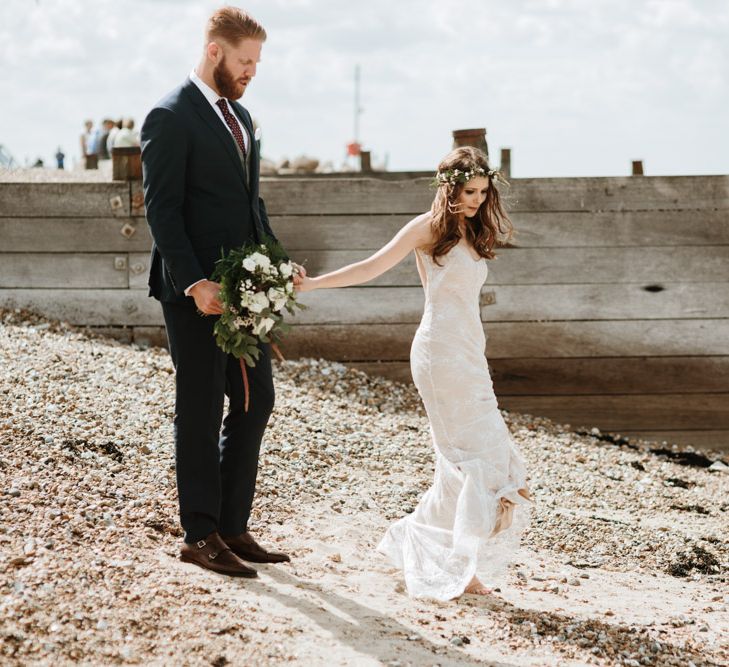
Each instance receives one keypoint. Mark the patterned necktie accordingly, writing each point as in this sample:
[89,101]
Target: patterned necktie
[233,124]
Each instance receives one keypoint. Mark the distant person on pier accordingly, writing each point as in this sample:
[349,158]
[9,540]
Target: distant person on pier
[60,156]
[127,136]
[106,126]
[88,146]
[112,135]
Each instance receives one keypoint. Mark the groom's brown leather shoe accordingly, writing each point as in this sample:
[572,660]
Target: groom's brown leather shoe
[245,547]
[214,554]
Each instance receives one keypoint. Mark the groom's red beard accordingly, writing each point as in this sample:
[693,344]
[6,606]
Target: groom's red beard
[228,86]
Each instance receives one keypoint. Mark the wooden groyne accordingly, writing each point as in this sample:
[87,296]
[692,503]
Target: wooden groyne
[611,309]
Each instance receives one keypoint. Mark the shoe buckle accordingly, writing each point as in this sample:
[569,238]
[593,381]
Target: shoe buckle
[213,555]
[201,544]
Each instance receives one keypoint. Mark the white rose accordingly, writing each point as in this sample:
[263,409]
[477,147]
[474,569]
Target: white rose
[265,324]
[278,298]
[258,302]
[249,264]
[262,261]
[286,269]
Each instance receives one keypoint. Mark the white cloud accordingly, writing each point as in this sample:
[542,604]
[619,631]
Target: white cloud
[572,87]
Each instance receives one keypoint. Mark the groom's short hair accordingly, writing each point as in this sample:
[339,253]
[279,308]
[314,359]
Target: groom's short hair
[232,24]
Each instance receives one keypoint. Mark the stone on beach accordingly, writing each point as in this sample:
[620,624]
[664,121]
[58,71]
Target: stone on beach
[89,533]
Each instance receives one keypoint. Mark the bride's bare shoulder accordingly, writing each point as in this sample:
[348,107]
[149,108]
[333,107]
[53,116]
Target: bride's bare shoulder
[421,228]
[422,220]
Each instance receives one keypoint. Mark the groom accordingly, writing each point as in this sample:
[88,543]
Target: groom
[200,165]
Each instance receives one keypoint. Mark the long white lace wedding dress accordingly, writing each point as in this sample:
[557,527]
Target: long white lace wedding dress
[465,524]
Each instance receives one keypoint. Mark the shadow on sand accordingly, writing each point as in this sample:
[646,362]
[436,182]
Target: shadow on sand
[389,644]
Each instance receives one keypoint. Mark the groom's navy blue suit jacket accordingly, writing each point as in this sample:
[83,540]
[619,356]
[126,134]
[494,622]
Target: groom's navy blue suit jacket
[196,197]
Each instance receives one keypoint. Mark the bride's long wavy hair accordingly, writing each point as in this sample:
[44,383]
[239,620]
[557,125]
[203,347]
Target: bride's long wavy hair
[490,225]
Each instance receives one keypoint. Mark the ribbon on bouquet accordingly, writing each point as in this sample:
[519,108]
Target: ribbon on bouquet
[244,372]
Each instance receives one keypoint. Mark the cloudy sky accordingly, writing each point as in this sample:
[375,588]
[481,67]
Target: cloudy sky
[573,87]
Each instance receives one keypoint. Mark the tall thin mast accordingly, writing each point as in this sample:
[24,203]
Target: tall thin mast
[357,108]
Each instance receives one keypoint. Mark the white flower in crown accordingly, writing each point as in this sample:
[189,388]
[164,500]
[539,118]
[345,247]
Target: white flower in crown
[453,176]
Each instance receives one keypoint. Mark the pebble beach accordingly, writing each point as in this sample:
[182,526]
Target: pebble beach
[626,560]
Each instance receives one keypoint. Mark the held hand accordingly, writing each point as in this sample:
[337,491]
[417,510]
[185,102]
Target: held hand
[305,284]
[299,273]
[206,294]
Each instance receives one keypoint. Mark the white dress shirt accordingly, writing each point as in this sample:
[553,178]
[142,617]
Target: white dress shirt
[212,97]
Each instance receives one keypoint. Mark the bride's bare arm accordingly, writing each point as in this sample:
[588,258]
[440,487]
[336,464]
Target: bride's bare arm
[414,234]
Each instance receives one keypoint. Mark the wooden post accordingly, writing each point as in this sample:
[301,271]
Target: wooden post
[473,137]
[505,167]
[637,167]
[126,163]
[365,164]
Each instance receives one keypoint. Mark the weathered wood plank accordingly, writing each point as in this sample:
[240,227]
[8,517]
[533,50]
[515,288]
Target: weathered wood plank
[92,307]
[150,336]
[75,200]
[336,232]
[610,375]
[363,232]
[620,228]
[362,305]
[623,413]
[335,196]
[74,235]
[651,338]
[621,375]
[398,371]
[121,334]
[369,195]
[533,229]
[716,439]
[525,266]
[368,342]
[606,302]
[365,195]
[138,270]
[71,270]
[520,303]
[622,193]
[649,265]
[506,340]
[546,340]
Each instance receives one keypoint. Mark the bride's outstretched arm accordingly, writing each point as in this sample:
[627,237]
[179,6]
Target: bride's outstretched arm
[414,234]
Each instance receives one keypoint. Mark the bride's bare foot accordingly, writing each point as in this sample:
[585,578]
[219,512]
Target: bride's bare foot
[475,587]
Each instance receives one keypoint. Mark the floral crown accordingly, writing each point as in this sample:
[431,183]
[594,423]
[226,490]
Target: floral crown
[453,176]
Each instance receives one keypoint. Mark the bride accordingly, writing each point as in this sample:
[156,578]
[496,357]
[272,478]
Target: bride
[466,527]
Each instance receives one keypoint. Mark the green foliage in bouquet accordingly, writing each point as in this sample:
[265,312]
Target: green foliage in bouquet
[256,287]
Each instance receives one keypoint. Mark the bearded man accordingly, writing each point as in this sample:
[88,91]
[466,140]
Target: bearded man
[201,184]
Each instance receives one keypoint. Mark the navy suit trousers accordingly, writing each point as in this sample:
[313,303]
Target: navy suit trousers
[216,469]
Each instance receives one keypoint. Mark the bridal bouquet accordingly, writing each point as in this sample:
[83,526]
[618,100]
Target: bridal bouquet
[257,286]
